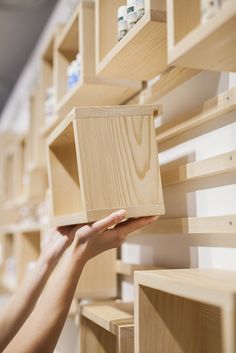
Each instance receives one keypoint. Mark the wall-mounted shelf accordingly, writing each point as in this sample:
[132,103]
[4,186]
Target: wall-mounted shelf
[185,311]
[107,328]
[208,111]
[166,82]
[220,164]
[142,53]
[78,36]
[127,269]
[194,225]
[208,46]
[99,279]
[89,155]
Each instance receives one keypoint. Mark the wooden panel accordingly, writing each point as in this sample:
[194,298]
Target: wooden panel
[220,164]
[128,269]
[208,111]
[218,34]
[125,339]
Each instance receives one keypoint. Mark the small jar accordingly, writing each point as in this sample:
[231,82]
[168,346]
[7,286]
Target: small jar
[208,9]
[140,8]
[131,14]
[122,21]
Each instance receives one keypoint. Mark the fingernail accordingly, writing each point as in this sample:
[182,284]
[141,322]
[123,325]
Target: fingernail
[121,213]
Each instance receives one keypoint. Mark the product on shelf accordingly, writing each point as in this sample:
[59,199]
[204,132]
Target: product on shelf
[128,16]
[50,103]
[131,14]
[122,22]
[208,9]
[140,8]
[73,72]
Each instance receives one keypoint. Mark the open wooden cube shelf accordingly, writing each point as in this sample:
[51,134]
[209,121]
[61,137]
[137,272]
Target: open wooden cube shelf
[142,53]
[208,46]
[185,311]
[107,328]
[103,159]
[78,36]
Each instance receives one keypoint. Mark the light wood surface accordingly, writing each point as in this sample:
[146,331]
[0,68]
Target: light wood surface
[142,53]
[107,327]
[123,160]
[128,269]
[209,46]
[208,111]
[169,80]
[185,311]
[219,164]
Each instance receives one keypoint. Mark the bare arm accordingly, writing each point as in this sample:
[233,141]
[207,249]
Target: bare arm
[19,307]
[42,330]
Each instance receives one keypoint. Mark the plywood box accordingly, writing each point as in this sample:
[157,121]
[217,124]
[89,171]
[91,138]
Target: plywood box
[101,159]
[185,311]
[107,328]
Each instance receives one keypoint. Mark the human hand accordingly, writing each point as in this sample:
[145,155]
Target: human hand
[107,233]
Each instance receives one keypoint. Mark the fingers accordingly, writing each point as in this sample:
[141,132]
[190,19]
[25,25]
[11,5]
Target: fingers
[111,220]
[131,225]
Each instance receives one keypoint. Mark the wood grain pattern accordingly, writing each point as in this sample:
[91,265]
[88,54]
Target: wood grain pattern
[127,269]
[184,311]
[218,34]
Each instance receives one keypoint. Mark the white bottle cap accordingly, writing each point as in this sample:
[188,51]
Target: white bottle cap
[122,12]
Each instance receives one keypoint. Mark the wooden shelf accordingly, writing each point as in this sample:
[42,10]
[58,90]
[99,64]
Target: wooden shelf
[79,36]
[185,311]
[98,279]
[220,164]
[208,111]
[142,53]
[166,82]
[106,328]
[194,225]
[127,269]
[209,46]
[98,143]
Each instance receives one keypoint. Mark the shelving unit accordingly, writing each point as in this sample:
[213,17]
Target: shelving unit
[106,328]
[211,110]
[97,144]
[166,82]
[79,36]
[98,279]
[220,164]
[142,53]
[185,311]
[208,46]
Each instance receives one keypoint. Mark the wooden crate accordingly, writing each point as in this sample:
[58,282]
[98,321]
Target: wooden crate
[107,328]
[79,36]
[103,159]
[185,311]
[208,46]
[142,53]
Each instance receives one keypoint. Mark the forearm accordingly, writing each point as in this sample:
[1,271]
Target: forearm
[47,320]
[20,306]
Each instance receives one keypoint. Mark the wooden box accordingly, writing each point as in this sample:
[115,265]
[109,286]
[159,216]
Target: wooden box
[208,46]
[142,53]
[102,159]
[78,36]
[107,328]
[185,311]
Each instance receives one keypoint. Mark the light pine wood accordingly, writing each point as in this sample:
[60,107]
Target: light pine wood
[142,53]
[106,159]
[220,164]
[107,327]
[185,311]
[169,80]
[190,41]
[208,111]
[127,269]
[79,36]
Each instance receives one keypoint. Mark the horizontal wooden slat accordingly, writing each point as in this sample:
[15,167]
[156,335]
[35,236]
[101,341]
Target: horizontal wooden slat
[208,111]
[127,269]
[224,163]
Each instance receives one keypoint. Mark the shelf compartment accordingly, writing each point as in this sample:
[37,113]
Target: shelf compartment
[106,328]
[208,46]
[88,157]
[166,82]
[128,269]
[78,36]
[210,110]
[142,53]
[220,164]
[185,311]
